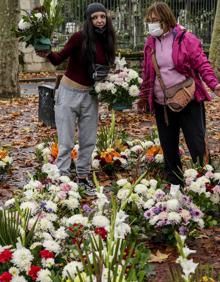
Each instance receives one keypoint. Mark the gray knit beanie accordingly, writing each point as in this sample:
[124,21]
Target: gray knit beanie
[93,8]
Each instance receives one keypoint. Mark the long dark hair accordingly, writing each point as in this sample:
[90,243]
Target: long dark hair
[88,44]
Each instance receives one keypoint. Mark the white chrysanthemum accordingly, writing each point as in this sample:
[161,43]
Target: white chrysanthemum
[33,185]
[40,146]
[14,271]
[132,74]
[190,173]
[95,164]
[39,16]
[122,182]
[216,175]
[100,221]
[64,179]
[153,183]
[46,152]
[97,88]
[140,189]
[208,167]
[195,187]
[173,204]
[54,188]
[32,206]
[22,258]
[71,203]
[71,269]
[9,203]
[18,279]
[77,219]
[137,149]
[140,80]
[73,185]
[113,90]
[148,144]
[174,216]
[126,153]
[202,180]
[22,25]
[60,233]
[123,194]
[50,206]
[145,182]
[51,170]
[159,158]
[47,263]
[44,276]
[51,217]
[45,225]
[149,204]
[215,198]
[134,91]
[52,246]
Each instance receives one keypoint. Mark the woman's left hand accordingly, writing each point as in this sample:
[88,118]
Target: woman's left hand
[217,90]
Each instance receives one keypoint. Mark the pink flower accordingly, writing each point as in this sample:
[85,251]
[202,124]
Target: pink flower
[209,174]
[216,189]
[65,187]
[62,195]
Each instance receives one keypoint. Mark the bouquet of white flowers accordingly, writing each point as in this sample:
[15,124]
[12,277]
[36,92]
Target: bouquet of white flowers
[36,27]
[121,86]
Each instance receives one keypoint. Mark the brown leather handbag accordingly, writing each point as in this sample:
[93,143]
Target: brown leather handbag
[179,95]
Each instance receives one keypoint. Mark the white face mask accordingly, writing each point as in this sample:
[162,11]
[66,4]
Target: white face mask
[155,29]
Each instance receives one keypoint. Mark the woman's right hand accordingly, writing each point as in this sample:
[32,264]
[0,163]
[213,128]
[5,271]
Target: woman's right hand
[43,54]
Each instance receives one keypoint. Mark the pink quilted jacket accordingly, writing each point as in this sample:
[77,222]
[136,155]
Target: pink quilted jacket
[189,59]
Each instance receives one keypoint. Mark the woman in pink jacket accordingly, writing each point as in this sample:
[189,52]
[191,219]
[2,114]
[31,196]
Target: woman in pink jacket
[179,56]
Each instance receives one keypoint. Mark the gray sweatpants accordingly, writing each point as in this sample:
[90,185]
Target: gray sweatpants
[73,106]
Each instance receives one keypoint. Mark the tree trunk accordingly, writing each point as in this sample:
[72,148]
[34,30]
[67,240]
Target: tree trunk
[214,52]
[9,12]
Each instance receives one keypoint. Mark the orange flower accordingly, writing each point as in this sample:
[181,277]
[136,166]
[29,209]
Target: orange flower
[3,154]
[153,151]
[115,154]
[54,150]
[74,154]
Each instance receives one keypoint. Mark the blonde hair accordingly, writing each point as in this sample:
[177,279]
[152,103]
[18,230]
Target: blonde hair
[163,11]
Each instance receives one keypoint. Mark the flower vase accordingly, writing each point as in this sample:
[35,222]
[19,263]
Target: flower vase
[121,106]
[42,44]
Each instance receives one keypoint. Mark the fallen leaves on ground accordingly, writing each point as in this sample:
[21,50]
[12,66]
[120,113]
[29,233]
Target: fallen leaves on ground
[158,257]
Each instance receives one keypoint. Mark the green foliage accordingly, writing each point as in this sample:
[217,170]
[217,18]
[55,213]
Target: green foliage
[40,22]
[109,136]
[11,224]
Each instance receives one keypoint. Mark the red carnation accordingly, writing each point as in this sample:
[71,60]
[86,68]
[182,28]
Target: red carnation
[33,272]
[102,232]
[5,256]
[5,277]
[46,254]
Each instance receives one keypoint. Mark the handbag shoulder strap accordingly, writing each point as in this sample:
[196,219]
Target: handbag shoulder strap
[162,85]
[158,73]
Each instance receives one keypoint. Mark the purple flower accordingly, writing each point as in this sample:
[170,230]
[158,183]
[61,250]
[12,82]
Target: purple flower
[183,230]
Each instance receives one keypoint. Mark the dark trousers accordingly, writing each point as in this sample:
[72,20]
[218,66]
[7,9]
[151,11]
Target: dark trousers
[192,122]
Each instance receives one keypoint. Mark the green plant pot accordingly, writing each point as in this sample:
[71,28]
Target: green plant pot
[121,107]
[42,44]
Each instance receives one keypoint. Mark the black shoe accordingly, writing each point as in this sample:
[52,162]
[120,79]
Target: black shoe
[88,186]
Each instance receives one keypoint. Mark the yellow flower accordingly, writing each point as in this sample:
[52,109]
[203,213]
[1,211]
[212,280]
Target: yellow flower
[207,279]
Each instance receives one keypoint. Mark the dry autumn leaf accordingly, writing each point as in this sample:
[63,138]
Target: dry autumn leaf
[159,257]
